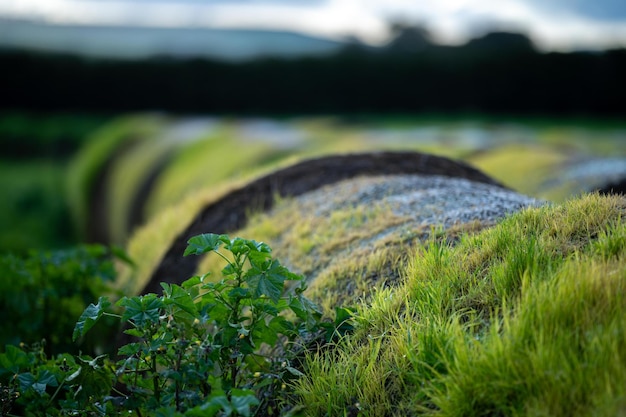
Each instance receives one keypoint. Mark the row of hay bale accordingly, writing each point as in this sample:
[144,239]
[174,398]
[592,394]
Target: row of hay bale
[176,177]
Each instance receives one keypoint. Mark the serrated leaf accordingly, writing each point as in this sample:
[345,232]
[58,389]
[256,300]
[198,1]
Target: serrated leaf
[268,281]
[142,309]
[239,292]
[129,349]
[90,317]
[257,259]
[239,246]
[229,269]
[304,308]
[266,307]
[180,298]
[191,282]
[204,243]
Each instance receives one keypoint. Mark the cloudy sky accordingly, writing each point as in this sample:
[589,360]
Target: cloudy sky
[552,24]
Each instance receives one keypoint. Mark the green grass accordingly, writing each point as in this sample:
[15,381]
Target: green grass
[523,319]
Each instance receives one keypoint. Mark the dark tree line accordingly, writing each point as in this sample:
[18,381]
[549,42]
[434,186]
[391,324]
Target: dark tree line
[498,73]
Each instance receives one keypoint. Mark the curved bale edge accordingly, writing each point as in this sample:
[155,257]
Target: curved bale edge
[88,175]
[231,211]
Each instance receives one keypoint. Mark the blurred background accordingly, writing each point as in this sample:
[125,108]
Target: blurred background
[112,111]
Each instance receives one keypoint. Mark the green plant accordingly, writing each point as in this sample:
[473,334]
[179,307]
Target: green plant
[44,291]
[227,347]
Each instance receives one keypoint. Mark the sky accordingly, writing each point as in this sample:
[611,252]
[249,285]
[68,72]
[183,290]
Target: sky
[551,24]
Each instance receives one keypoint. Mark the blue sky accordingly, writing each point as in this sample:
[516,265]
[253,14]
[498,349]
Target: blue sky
[552,24]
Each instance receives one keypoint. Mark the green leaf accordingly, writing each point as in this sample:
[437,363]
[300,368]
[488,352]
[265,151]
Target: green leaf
[180,298]
[304,308]
[208,409]
[344,323]
[90,317]
[343,316]
[191,282]
[239,292]
[141,310]
[267,281]
[93,378]
[261,254]
[26,380]
[242,400]
[39,384]
[204,243]
[47,378]
[239,246]
[129,349]
[266,307]
[229,269]
[13,360]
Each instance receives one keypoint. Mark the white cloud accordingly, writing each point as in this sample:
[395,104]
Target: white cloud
[451,21]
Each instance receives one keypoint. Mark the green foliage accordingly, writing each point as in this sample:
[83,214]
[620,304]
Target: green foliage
[50,135]
[44,292]
[199,349]
[33,214]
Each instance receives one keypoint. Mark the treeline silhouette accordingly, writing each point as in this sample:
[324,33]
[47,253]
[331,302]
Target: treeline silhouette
[499,73]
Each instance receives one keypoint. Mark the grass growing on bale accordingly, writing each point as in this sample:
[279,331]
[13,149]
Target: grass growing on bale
[526,318]
[91,160]
[208,161]
[330,249]
[129,172]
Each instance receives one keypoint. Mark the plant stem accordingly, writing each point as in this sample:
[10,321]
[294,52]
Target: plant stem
[56,392]
[155,381]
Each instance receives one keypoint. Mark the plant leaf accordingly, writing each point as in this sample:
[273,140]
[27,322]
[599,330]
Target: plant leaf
[191,282]
[142,309]
[242,400]
[90,317]
[267,281]
[180,298]
[204,243]
[13,360]
[304,308]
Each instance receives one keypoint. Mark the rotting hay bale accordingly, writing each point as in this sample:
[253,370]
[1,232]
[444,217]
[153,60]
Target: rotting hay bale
[356,235]
[230,212]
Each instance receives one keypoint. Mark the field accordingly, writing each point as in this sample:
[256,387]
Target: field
[524,317]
